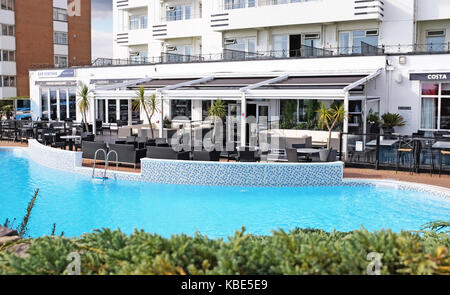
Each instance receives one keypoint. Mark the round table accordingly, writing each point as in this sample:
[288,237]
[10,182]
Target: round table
[308,152]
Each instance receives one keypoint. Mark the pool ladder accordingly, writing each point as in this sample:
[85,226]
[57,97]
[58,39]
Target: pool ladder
[106,162]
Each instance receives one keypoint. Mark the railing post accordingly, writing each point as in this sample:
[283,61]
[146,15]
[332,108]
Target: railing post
[340,146]
[377,155]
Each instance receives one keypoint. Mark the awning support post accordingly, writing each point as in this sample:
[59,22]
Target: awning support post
[161,116]
[243,120]
[346,117]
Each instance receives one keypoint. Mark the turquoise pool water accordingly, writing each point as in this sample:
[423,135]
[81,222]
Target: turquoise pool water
[78,205]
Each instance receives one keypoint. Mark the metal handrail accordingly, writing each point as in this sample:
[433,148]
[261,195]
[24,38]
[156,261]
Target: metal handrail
[95,161]
[107,161]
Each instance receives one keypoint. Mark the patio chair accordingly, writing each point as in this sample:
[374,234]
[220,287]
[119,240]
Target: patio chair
[90,147]
[57,142]
[405,147]
[167,153]
[424,152]
[444,154]
[247,156]
[206,156]
[291,155]
[127,154]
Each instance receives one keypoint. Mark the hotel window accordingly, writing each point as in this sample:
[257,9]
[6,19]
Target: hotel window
[359,42]
[235,4]
[138,22]
[206,105]
[178,12]
[181,109]
[62,104]
[60,14]
[8,30]
[112,111]
[240,48]
[61,61]
[60,38]
[436,41]
[7,4]
[8,55]
[72,105]
[53,105]
[179,53]
[281,45]
[435,113]
[44,105]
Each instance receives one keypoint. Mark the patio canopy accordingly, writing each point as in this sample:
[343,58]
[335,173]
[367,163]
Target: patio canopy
[232,87]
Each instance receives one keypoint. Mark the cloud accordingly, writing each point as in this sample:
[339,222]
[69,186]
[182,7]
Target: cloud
[101,9]
[102,44]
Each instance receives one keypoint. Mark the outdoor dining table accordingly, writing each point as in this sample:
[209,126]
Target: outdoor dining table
[441,145]
[71,139]
[307,152]
[384,142]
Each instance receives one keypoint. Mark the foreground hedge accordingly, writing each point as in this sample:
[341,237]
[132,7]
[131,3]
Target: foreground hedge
[297,252]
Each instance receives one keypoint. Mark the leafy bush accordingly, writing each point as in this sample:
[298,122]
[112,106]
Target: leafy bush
[296,252]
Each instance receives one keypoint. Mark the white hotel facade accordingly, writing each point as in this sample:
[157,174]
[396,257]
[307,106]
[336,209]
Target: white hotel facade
[267,58]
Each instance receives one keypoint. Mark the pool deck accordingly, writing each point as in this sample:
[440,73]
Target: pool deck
[425,178]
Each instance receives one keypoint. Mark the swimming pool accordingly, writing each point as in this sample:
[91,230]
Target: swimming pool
[78,205]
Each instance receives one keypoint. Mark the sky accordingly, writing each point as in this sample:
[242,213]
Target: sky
[102,35]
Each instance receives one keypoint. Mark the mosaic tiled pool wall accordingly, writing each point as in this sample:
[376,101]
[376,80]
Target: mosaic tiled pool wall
[54,158]
[242,174]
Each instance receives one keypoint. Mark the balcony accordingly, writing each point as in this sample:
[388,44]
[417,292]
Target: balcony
[244,14]
[173,27]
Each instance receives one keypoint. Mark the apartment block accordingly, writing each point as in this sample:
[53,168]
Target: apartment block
[41,34]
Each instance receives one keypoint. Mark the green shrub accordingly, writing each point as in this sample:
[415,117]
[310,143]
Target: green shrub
[296,252]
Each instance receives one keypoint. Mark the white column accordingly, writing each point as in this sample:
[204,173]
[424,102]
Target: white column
[94,117]
[117,109]
[161,116]
[130,114]
[106,111]
[346,109]
[243,120]
[58,107]
[48,105]
[67,104]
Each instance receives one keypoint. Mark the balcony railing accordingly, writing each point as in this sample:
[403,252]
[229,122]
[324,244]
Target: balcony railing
[303,52]
[180,17]
[238,4]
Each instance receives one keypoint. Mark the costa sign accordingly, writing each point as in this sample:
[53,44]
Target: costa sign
[430,77]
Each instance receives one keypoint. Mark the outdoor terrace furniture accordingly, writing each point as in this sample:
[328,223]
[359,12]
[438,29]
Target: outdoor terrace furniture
[87,136]
[206,156]
[124,132]
[291,155]
[444,154]
[167,153]
[407,147]
[305,140]
[127,154]
[89,148]
[58,142]
[248,156]
[308,153]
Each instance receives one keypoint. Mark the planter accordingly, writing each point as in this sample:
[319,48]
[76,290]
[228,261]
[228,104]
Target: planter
[328,155]
[374,128]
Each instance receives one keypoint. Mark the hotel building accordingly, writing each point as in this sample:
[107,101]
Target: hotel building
[268,59]
[41,34]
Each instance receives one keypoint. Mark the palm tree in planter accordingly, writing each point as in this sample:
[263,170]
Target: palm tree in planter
[389,121]
[84,104]
[330,118]
[217,111]
[147,103]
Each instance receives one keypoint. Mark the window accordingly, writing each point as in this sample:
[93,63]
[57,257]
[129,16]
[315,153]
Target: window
[61,61]
[44,104]
[53,105]
[235,4]
[112,111]
[62,104]
[60,38]
[60,14]
[72,105]
[178,12]
[240,48]
[179,53]
[435,112]
[8,30]
[206,105]
[7,4]
[359,42]
[8,55]
[8,81]
[138,22]
[436,41]
[181,109]
[280,45]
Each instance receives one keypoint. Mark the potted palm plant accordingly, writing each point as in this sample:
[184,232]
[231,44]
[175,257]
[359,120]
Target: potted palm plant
[217,111]
[373,121]
[84,104]
[329,118]
[389,121]
[147,103]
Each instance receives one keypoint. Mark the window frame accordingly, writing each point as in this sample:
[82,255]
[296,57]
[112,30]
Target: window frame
[439,98]
[57,35]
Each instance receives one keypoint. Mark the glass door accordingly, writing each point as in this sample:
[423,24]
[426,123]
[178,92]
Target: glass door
[234,125]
